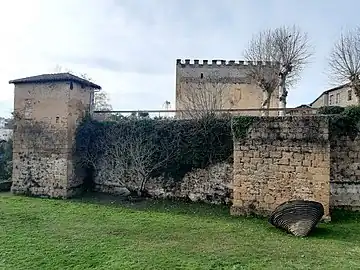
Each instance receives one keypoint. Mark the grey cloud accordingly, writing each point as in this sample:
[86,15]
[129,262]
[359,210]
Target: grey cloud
[144,65]
[134,39]
[139,100]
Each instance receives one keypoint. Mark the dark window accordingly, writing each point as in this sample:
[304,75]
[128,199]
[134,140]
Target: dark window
[201,75]
[349,94]
[71,86]
[331,100]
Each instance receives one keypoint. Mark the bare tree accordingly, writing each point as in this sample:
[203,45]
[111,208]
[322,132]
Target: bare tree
[131,158]
[344,60]
[206,95]
[262,70]
[102,101]
[289,47]
[114,162]
[101,98]
[143,159]
[293,53]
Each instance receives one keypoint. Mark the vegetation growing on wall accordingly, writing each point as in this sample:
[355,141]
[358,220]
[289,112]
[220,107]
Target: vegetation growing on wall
[271,129]
[347,123]
[39,135]
[241,125]
[5,160]
[330,110]
[139,149]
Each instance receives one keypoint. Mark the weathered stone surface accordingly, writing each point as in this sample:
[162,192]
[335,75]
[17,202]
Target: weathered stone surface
[46,116]
[196,82]
[295,164]
[345,195]
[212,185]
[41,176]
[345,172]
[281,158]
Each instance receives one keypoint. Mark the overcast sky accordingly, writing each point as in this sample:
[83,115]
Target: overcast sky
[129,47]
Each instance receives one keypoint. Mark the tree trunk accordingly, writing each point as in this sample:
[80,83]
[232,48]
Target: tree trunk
[282,97]
[142,186]
[356,90]
[266,103]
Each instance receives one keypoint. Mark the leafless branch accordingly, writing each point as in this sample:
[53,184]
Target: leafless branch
[116,158]
[204,96]
[293,51]
[265,73]
[128,157]
[344,60]
[285,46]
[102,101]
[143,158]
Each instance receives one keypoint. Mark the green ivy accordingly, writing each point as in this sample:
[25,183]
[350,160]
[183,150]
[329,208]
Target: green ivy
[330,110]
[347,123]
[241,125]
[352,112]
[5,160]
[199,143]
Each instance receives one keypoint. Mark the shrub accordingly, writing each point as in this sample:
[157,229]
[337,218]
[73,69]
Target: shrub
[347,123]
[143,148]
[5,160]
[330,110]
[352,112]
[241,125]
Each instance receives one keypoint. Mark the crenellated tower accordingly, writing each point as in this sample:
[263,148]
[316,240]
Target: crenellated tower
[205,85]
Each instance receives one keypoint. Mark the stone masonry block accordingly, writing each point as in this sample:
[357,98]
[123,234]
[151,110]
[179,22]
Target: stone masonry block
[282,175]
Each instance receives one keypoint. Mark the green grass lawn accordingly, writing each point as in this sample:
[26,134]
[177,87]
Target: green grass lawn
[102,234]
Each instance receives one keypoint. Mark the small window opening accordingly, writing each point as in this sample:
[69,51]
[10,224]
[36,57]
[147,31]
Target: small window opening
[349,95]
[71,86]
[202,75]
[57,119]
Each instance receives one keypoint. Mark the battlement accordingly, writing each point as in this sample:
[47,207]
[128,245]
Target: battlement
[220,63]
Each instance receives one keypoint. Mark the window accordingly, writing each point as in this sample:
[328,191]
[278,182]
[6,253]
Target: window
[337,98]
[238,93]
[201,75]
[349,95]
[331,100]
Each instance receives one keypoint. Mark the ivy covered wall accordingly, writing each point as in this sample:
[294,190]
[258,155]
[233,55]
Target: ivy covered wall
[160,157]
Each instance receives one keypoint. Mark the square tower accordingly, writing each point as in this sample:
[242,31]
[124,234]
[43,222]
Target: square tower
[219,85]
[47,110]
